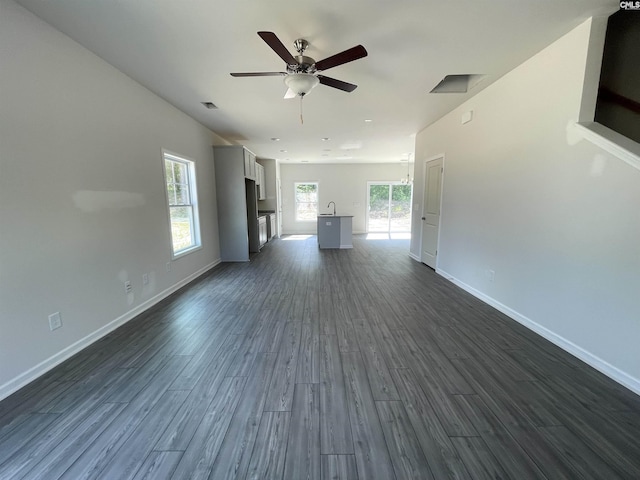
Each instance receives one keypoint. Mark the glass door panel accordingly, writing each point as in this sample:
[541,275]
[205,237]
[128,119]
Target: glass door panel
[379,208]
[389,208]
[400,219]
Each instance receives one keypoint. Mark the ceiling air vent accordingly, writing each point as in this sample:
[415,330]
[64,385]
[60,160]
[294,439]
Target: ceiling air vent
[458,83]
[210,105]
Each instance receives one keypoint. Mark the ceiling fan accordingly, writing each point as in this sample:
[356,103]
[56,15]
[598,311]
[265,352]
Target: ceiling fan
[302,72]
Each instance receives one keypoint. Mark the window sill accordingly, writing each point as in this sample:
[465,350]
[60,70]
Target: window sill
[618,145]
[182,253]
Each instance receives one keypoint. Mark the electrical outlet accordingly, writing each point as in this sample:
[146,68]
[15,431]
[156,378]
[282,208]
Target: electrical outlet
[55,321]
[127,287]
[145,278]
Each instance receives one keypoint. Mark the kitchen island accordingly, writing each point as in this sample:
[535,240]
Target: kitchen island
[335,231]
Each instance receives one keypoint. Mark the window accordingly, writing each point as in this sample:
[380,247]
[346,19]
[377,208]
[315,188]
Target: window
[306,202]
[618,103]
[180,176]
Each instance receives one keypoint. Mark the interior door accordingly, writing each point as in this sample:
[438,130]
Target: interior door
[431,211]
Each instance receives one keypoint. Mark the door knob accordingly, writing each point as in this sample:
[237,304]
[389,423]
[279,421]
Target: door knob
[423,218]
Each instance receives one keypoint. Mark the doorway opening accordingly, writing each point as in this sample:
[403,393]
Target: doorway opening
[389,207]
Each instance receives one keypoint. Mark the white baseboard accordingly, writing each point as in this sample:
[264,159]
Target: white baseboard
[43,367]
[414,256]
[599,364]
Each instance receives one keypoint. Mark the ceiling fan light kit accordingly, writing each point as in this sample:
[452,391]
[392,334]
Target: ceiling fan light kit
[301,83]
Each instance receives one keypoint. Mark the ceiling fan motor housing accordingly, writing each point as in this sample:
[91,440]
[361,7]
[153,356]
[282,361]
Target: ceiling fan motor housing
[305,65]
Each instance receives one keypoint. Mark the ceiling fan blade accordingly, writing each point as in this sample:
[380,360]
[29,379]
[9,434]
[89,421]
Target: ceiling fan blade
[259,74]
[277,46]
[290,94]
[339,84]
[343,57]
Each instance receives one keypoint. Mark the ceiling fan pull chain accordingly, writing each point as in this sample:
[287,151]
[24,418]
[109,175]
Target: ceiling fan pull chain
[301,118]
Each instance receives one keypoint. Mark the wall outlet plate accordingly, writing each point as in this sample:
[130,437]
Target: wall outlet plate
[55,321]
[127,287]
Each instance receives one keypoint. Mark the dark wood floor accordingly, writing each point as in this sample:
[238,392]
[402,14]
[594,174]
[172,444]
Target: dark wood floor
[308,364]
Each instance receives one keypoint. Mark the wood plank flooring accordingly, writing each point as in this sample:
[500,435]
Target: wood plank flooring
[308,364]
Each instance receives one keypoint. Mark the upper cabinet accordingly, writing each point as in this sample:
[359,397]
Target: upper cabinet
[249,165]
[261,182]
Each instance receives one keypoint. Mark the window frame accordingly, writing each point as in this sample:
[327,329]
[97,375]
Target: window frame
[295,200]
[192,204]
[609,140]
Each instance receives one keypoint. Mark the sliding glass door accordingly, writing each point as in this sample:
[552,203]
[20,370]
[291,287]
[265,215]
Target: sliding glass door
[389,207]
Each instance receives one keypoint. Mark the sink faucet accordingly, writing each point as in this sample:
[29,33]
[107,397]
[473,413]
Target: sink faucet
[334,207]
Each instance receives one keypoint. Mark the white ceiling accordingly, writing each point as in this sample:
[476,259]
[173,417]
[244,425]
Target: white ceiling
[184,50]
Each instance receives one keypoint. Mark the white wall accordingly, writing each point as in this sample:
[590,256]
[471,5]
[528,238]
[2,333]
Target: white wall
[344,184]
[82,197]
[554,216]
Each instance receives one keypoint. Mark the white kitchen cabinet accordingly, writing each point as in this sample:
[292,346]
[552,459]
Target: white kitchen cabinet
[262,230]
[272,226]
[249,164]
[260,182]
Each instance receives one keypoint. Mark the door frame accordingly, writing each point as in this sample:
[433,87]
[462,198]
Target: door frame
[424,194]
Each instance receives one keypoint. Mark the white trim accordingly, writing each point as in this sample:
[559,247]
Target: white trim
[415,257]
[614,143]
[599,364]
[43,367]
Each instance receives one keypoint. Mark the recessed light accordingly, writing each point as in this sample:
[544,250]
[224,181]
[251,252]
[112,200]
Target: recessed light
[275,139]
[324,139]
[368,120]
[283,151]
